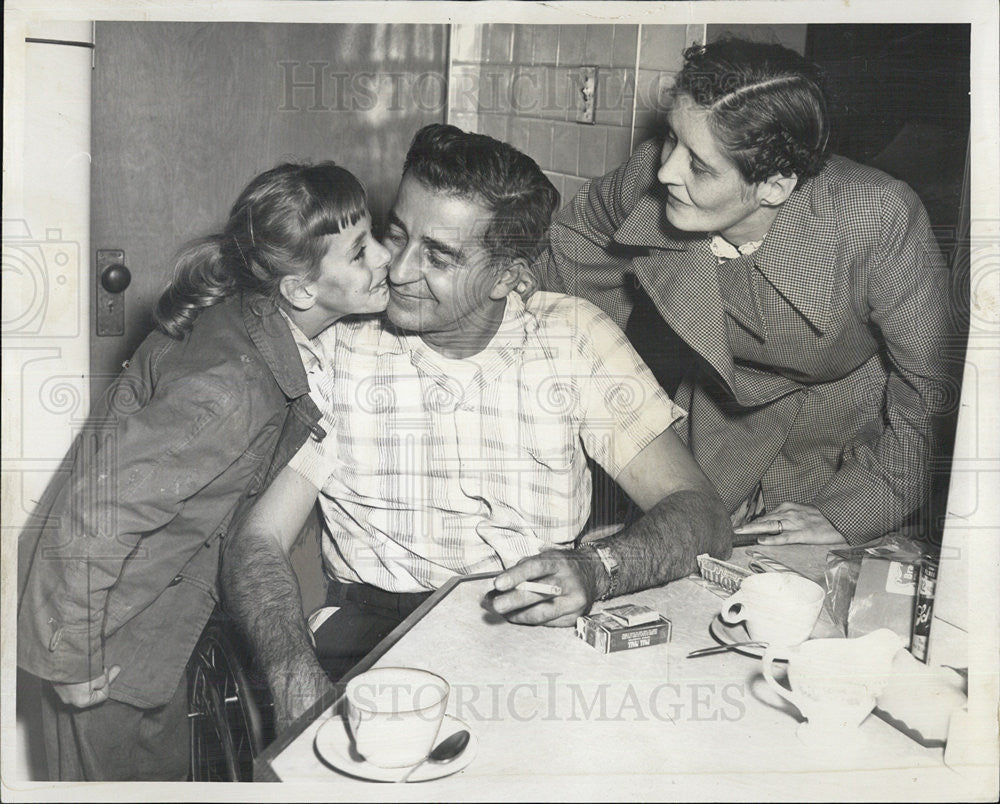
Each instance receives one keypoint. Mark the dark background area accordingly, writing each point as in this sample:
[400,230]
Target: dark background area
[900,102]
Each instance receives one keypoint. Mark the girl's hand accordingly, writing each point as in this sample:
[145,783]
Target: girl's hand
[84,694]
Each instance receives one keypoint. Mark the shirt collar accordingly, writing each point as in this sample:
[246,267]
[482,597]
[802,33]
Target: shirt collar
[311,352]
[502,351]
[273,339]
[725,250]
[511,332]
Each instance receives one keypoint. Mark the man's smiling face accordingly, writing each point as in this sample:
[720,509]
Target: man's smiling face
[442,281]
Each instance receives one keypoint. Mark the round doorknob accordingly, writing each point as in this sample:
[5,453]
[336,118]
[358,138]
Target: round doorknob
[116,278]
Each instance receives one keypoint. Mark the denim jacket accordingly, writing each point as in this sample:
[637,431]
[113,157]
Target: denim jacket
[119,564]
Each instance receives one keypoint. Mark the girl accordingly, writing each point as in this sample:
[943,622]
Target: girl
[118,572]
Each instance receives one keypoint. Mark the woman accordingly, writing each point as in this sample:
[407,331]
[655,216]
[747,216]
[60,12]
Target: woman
[119,576]
[808,288]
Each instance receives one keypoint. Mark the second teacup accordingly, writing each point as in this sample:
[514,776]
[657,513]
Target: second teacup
[834,682]
[779,608]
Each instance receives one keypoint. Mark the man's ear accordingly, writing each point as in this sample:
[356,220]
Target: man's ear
[774,190]
[508,277]
[297,292]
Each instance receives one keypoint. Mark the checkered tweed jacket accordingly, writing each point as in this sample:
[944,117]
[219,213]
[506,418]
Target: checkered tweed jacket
[818,369]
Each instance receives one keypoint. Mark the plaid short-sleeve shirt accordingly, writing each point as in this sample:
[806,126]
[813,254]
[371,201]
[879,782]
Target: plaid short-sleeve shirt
[435,466]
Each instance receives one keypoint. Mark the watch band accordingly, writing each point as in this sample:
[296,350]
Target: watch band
[611,566]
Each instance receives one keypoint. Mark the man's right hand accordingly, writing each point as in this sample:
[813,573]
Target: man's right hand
[297,689]
[262,594]
[84,694]
[577,572]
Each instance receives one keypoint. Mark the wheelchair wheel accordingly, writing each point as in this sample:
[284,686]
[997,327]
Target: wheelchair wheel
[226,727]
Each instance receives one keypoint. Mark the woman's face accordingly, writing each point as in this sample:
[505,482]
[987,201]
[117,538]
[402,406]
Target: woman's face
[352,277]
[704,189]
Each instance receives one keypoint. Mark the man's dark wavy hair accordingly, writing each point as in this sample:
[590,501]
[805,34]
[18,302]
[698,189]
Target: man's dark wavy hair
[505,181]
[768,106]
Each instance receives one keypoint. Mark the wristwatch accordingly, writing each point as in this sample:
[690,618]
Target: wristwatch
[611,566]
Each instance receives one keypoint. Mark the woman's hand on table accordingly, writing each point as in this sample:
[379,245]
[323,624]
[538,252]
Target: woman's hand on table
[792,523]
[575,572]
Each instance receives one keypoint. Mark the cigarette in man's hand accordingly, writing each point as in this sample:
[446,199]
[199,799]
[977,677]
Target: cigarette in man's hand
[539,588]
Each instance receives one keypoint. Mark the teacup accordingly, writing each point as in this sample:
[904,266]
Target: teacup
[779,608]
[394,714]
[834,682]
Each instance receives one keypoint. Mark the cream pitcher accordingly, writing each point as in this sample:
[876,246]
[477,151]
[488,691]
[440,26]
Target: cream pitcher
[834,682]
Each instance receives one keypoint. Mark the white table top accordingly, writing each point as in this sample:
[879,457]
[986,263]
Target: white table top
[555,719]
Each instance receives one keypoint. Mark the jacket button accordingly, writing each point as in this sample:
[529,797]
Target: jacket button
[175,581]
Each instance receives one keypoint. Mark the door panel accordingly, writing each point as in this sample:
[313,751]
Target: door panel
[185,114]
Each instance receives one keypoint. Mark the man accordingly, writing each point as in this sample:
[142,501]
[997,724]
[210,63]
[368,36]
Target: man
[459,433]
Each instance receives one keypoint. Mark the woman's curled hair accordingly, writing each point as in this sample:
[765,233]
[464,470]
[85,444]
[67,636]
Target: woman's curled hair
[767,106]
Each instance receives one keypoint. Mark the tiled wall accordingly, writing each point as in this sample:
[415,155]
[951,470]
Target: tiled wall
[660,57]
[517,83]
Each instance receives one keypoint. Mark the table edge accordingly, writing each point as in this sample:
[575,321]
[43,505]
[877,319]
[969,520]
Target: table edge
[262,768]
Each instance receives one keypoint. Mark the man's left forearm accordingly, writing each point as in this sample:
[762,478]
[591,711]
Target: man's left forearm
[660,547]
[684,518]
[664,544]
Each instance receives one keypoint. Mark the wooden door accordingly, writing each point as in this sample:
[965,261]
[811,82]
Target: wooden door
[185,114]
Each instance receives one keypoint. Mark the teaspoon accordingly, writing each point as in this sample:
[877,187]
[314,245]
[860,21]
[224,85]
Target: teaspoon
[723,648]
[445,751]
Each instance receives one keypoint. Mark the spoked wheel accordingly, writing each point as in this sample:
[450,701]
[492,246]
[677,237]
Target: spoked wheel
[227,730]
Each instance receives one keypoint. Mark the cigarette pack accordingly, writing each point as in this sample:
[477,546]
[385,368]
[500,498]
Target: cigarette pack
[607,634]
[728,576]
[923,607]
[631,614]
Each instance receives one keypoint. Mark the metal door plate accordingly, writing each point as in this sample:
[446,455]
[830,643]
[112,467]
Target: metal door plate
[110,306]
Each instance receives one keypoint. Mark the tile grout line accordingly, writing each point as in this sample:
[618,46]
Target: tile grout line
[635,92]
[448,76]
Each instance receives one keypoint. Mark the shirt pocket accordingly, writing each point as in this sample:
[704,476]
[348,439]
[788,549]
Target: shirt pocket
[549,442]
[546,421]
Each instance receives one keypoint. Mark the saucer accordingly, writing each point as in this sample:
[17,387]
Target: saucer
[841,740]
[731,634]
[335,746]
